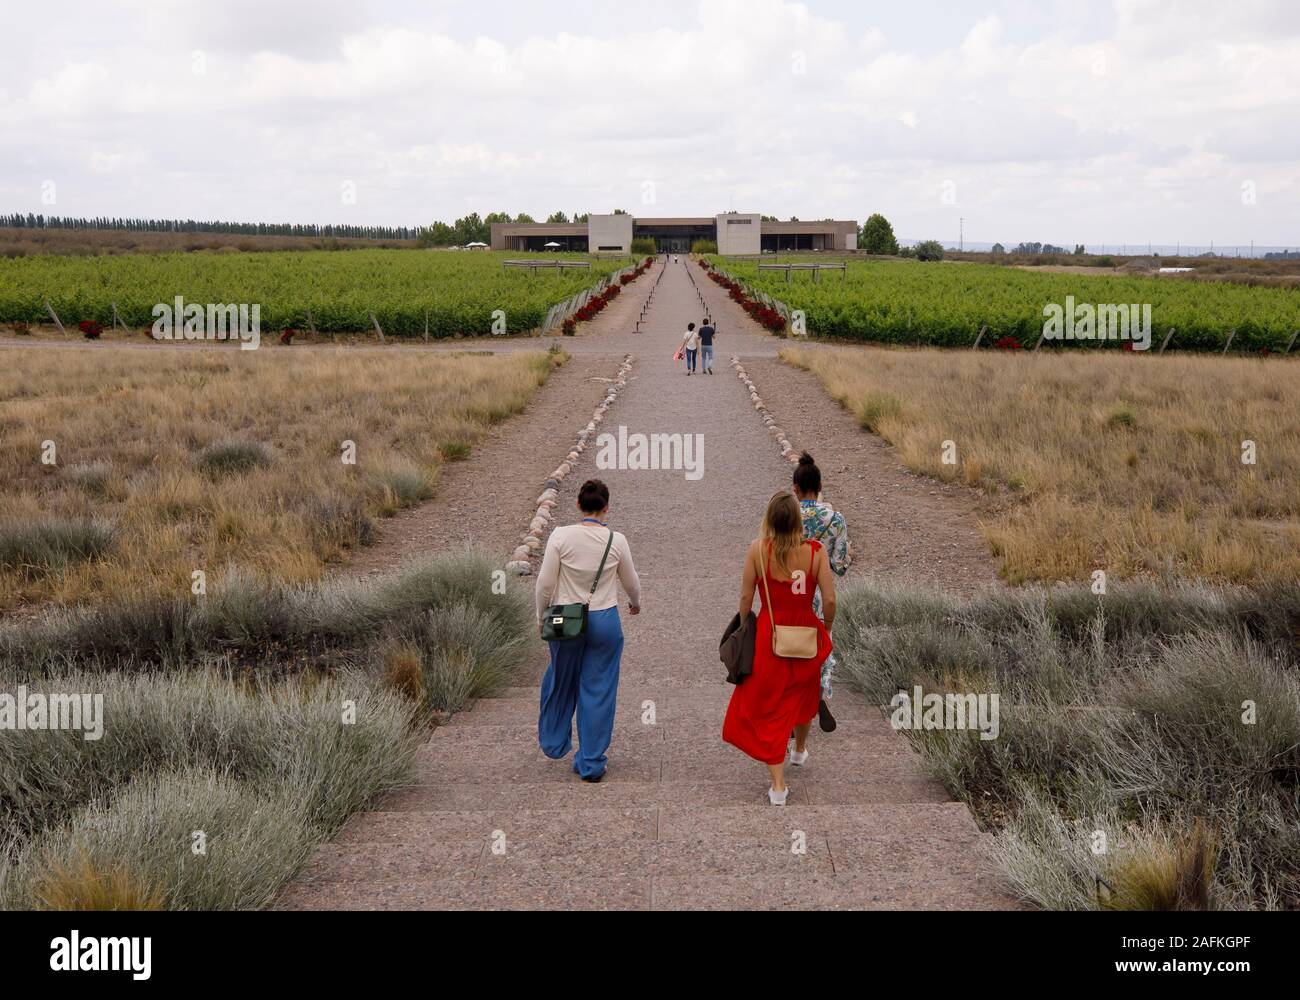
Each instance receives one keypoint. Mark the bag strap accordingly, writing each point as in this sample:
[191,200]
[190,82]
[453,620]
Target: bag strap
[608,545]
[771,611]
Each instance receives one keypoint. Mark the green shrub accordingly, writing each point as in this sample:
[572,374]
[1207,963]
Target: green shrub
[246,619]
[454,451]
[339,522]
[928,250]
[52,543]
[1166,716]
[704,247]
[876,408]
[1121,415]
[226,458]
[254,843]
[203,720]
[403,484]
[263,772]
[95,479]
[644,246]
[465,652]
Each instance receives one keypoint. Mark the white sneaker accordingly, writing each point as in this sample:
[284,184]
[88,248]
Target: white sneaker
[798,759]
[777,798]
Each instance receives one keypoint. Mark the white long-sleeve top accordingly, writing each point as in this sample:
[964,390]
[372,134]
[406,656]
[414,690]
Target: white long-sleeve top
[569,566]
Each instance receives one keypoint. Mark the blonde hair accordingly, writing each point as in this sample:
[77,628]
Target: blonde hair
[783,527]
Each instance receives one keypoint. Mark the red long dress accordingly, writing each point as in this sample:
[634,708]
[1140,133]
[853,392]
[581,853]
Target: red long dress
[781,693]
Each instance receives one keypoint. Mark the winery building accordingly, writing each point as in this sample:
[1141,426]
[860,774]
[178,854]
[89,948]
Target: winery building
[736,234]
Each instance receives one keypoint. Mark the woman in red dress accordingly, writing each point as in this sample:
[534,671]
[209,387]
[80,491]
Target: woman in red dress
[782,693]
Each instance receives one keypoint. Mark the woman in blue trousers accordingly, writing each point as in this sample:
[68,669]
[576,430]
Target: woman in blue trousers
[583,675]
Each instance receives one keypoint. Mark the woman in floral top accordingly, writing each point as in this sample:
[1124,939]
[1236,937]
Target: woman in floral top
[824,524]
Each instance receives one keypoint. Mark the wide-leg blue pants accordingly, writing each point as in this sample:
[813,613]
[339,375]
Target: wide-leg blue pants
[583,676]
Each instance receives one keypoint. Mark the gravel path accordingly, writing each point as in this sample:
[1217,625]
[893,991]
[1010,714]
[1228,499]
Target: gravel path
[681,820]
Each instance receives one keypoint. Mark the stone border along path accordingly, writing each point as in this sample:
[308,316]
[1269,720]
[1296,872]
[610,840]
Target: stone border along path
[681,820]
[534,541]
[787,449]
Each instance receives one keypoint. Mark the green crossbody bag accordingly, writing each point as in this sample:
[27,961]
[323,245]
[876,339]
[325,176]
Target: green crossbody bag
[563,622]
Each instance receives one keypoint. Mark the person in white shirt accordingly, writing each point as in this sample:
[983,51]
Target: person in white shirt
[583,675]
[691,342]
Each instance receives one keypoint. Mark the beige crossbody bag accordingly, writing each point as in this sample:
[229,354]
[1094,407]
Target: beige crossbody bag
[794,642]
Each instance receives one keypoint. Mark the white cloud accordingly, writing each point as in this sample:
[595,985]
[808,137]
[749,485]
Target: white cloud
[1138,131]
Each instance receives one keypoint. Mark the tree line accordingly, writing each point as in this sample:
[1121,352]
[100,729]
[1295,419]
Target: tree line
[876,236]
[18,220]
[474,228]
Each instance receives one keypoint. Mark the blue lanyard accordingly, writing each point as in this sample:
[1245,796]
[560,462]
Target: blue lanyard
[592,520]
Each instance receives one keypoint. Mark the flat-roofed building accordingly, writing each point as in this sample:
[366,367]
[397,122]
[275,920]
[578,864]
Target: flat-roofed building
[736,234]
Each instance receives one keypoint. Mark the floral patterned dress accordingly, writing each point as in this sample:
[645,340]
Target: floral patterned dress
[822,523]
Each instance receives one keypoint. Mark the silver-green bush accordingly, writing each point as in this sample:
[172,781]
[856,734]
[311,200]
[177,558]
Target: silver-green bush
[1171,707]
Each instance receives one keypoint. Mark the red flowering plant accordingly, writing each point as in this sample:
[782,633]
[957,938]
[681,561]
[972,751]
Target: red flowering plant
[570,327]
[769,318]
[286,337]
[1009,344]
[90,329]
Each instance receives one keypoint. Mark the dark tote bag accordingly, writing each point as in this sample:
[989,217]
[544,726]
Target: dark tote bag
[565,622]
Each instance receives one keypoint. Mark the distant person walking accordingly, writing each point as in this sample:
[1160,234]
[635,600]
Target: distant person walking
[706,335]
[584,564]
[783,690]
[691,344]
[823,524]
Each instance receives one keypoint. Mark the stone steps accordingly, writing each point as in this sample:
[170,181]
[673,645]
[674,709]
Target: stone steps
[687,856]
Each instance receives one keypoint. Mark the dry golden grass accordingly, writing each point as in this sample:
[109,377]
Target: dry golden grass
[81,886]
[1097,461]
[404,672]
[131,427]
[1160,873]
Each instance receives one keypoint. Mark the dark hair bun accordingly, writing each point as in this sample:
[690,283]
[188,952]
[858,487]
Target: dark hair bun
[593,497]
[807,477]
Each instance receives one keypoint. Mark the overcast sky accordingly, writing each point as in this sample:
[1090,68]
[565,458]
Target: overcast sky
[1088,121]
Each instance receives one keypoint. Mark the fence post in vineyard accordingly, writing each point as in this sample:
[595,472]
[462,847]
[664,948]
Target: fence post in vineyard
[311,323]
[1041,337]
[55,316]
[1294,336]
[980,339]
[378,329]
[1232,335]
[1168,337]
[115,319]
[426,326]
